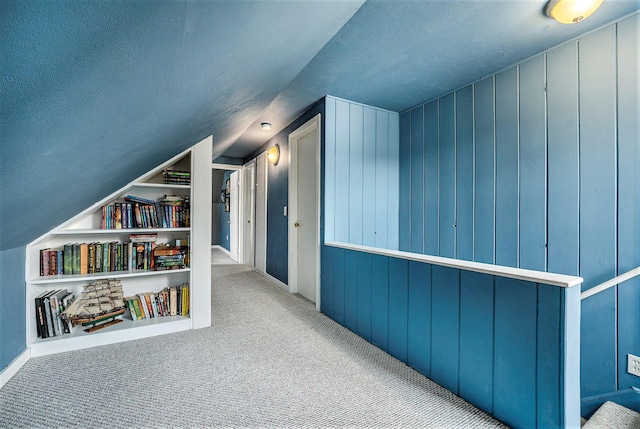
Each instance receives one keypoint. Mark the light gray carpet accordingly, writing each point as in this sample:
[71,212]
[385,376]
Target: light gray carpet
[613,416]
[269,360]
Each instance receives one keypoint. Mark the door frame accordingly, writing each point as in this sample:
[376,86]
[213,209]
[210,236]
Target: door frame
[312,125]
[249,213]
[262,158]
[240,192]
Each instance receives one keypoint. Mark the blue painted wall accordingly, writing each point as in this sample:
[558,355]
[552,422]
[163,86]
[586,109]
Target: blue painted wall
[278,194]
[12,305]
[224,239]
[538,167]
[361,174]
[496,342]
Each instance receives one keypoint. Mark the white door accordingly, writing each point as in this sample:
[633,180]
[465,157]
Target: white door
[233,216]
[248,218]
[304,213]
[261,214]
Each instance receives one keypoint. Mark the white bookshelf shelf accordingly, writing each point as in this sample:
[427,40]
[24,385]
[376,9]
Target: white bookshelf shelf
[127,330]
[114,231]
[67,278]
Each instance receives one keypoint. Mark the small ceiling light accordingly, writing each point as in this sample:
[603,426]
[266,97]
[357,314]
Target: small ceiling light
[265,126]
[273,154]
[571,11]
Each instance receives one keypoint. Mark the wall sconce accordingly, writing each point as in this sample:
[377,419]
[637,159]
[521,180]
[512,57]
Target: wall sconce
[273,155]
[571,11]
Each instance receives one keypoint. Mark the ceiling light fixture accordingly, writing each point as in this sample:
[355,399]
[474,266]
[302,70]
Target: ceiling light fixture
[571,11]
[273,154]
[265,126]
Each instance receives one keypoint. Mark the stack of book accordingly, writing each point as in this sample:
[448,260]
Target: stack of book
[176,177]
[136,212]
[90,258]
[170,257]
[49,306]
[171,301]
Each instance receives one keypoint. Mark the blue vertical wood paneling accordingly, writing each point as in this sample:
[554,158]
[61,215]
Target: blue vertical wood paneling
[476,339]
[382,160]
[514,380]
[369,178]
[628,192]
[598,208]
[326,280]
[351,290]
[419,318]
[417,180]
[405,182]
[485,171]
[533,161]
[342,171]
[398,307]
[356,147]
[364,296]
[447,175]
[431,208]
[464,173]
[380,301]
[329,172]
[549,369]
[445,326]
[563,160]
[338,286]
[507,167]
[393,202]
[393,191]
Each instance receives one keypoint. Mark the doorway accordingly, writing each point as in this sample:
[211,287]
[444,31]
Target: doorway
[304,210]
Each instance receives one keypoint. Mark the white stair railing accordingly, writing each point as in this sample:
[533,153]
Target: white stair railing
[609,283]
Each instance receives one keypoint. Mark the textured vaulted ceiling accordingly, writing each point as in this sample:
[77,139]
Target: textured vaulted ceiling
[94,93]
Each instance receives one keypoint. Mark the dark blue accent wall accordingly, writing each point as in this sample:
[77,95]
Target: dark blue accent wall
[278,194]
[538,167]
[12,305]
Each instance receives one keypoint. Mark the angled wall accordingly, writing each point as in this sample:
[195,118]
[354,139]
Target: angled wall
[538,167]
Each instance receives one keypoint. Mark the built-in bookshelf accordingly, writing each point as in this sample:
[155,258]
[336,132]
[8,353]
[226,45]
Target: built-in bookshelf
[179,267]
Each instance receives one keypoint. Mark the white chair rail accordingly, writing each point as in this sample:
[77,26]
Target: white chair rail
[610,283]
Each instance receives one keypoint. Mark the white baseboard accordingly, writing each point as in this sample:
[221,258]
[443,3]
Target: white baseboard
[274,280]
[14,366]
[217,246]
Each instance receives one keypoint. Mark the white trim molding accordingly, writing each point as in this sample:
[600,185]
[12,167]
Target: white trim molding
[14,366]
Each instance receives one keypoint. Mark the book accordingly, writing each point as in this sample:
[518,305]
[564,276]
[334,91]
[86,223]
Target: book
[55,300]
[48,319]
[40,325]
[173,300]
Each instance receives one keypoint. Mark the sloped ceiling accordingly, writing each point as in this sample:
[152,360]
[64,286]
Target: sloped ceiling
[94,93]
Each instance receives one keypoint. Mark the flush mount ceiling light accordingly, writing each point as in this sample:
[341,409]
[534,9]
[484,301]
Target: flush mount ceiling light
[571,11]
[265,126]
[273,154]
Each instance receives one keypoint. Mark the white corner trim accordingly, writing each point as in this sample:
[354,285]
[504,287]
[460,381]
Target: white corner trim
[274,280]
[552,279]
[14,366]
[217,246]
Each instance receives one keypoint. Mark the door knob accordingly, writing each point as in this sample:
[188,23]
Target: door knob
[296,224]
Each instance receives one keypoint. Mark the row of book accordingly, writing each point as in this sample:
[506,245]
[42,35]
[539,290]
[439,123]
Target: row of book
[140,253]
[49,306]
[135,212]
[176,177]
[171,301]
